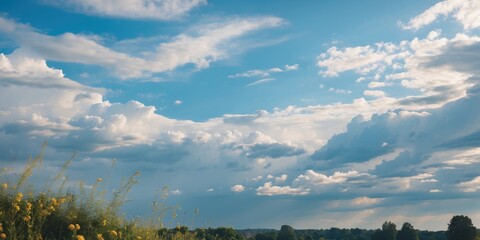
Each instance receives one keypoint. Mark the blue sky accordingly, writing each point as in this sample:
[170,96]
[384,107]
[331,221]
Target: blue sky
[313,113]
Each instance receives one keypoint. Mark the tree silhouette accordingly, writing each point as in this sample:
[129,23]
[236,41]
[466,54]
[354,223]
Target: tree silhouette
[286,233]
[388,232]
[407,232]
[461,228]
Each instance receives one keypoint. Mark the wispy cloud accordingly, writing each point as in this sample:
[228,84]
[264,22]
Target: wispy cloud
[265,72]
[261,81]
[165,10]
[199,46]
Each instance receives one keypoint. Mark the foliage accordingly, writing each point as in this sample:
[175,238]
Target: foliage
[461,228]
[407,232]
[59,214]
[286,233]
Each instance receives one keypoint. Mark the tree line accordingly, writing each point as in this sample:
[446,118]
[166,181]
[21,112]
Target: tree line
[459,228]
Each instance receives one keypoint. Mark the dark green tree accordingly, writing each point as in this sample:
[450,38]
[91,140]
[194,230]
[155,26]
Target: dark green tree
[286,233]
[388,232]
[265,236]
[377,235]
[461,228]
[407,232]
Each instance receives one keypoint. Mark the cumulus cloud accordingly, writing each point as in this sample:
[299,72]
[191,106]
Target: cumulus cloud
[314,178]
[417,136]
[17,69]
[136,9]
[441,69]
[237,188]
[466,12]
[199,46]
[362,59]
[268,189]
[259,145]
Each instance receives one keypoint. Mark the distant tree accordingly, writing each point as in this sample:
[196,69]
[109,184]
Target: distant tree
[407,232]
[225,233]
[377,235]
[286,233]
[388,232]
[265,236]
[461,228]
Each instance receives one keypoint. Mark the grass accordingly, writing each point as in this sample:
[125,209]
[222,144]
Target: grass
[56,213]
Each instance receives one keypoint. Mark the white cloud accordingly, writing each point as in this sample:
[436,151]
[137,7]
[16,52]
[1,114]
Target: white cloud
[176,192]
[268,189]
[360,79]
[314,178]
[470,186]
[265,73]
[376,84]
[18,69]
[237,188]
[365,201]
[436,67]
[177,102]
[375,93]
[466,12]
[281,179]
[133,9]
[261,81]
[362,59]
[199,46]
[339,91]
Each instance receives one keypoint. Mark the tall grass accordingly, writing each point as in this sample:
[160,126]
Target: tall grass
[56,213]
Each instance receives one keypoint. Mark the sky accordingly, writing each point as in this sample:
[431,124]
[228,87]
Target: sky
[254,114]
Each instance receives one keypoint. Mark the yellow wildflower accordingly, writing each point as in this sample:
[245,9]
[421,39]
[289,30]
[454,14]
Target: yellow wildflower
[29,206]
[80,237]
[27,218]
[104,222]
[19,197]
[1,228]
[113,233]
[16,207]
[45,213]
[71,227]
[100,237]
[77,226]
[139,238]
[3,235]
[54,202]
[51,209]
[4,186]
